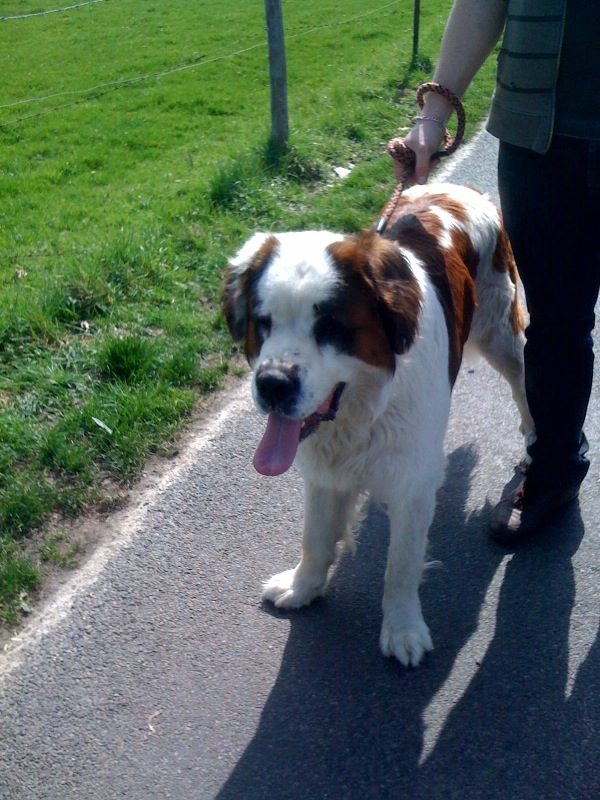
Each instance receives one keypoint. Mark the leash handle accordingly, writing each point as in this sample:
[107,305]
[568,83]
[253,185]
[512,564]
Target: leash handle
[406,157]
[450,143]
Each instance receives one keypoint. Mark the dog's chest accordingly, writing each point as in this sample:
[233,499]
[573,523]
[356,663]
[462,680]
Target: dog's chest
[350,452]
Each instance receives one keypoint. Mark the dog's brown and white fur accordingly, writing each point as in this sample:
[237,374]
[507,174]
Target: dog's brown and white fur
[386,318]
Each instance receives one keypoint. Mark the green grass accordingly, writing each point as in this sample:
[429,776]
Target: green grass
[120,200]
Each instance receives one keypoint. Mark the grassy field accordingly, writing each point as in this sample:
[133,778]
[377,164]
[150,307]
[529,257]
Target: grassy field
[133,158]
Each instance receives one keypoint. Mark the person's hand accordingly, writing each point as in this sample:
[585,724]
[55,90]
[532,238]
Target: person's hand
[424,139]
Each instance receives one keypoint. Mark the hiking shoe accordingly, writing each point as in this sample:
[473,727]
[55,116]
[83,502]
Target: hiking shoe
[526,505]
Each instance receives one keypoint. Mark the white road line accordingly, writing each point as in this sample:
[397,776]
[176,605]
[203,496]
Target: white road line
[447,169]
[122,527]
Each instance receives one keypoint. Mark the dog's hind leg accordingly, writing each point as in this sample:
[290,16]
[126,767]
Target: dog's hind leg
[497,334]
[327,516]
[404,633]
[505,355]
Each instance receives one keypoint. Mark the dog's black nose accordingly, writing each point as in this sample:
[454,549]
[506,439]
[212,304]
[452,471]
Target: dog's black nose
[278,387]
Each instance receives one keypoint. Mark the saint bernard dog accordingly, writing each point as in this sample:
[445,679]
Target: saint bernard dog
[355,343]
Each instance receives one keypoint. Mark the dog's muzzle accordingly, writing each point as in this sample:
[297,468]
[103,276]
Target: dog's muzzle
[278,387]
[278,390]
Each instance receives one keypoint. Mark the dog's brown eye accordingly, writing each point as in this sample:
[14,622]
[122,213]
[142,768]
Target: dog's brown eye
[324,314]
[329,329]
[263,324]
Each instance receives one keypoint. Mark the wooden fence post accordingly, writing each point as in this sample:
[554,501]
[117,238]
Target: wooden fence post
[277,75]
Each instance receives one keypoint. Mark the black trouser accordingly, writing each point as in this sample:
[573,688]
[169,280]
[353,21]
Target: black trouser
[551,207]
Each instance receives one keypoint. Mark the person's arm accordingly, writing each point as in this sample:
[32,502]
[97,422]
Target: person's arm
[472,30]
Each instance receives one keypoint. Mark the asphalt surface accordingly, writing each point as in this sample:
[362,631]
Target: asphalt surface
[157,673]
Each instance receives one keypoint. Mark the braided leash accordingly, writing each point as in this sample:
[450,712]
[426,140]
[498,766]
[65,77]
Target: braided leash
[405,156]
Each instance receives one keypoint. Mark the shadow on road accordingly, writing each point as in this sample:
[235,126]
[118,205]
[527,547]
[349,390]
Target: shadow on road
[344,722]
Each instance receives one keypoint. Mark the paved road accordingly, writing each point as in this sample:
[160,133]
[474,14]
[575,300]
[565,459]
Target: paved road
[158,674]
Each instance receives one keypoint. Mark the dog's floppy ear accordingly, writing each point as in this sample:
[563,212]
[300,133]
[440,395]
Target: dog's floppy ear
[394,291]
[397,291]
[241,275]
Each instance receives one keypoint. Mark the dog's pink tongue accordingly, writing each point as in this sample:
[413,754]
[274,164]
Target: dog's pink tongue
[277,449]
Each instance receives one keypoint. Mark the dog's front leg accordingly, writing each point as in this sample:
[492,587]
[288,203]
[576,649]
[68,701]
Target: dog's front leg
[404,633]
[327,515]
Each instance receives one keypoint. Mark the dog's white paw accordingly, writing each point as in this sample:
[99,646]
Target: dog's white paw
[292,589]
[408,643]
